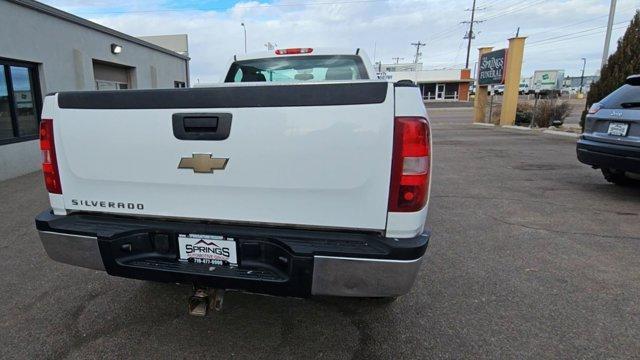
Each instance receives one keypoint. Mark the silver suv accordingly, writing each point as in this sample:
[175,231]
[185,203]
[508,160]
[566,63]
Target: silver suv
[611,139]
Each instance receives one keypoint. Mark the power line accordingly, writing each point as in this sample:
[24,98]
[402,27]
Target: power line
[458,52]
[574,33]
[569,25]
[575,37]
[488,3]
[444,34]
[513,9]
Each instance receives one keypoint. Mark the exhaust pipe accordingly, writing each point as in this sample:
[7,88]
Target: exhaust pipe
[218,298]
[200,302]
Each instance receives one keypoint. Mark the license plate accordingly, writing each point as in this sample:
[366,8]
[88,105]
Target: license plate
[207,249]
[618,129]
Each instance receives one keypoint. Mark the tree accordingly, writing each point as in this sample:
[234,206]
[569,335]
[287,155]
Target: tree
[622,63]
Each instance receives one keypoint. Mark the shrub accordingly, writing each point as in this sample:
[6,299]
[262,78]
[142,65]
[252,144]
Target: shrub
[544,114]
[524,113]
[551,112]
[621,64]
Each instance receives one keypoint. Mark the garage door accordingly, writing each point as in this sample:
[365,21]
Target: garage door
[111,76]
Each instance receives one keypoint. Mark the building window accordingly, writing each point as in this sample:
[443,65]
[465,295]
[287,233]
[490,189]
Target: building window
[451,92]
[428,91]
[111,85]
[179,84]
[19,101]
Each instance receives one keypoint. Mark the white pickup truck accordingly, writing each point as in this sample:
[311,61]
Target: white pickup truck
[300,175]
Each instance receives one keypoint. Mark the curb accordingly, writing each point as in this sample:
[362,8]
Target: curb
[523,128]
[537,130]
[561,133]
[484,124]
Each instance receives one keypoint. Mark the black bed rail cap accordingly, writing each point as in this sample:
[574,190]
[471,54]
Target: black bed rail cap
[289,95]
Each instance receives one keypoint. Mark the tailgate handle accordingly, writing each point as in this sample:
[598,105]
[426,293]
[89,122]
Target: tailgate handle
[201,126]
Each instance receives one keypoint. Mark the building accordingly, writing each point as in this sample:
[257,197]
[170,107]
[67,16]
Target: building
[398,67]
[44,50]
[435,85]
[573,82]
[178,43]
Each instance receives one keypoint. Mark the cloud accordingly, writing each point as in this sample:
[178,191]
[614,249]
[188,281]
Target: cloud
[385,28]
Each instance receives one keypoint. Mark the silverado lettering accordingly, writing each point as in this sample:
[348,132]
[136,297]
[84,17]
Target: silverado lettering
[107,204]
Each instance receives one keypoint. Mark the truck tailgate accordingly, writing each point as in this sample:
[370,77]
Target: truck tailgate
[310,154]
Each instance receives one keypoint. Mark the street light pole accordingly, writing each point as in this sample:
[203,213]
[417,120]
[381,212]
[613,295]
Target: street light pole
[584,63]
[245,36]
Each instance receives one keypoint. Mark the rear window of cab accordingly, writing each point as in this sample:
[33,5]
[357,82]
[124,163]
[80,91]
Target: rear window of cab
[298,69]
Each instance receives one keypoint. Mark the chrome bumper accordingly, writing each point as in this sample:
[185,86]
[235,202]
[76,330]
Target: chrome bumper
[72,249]
[334,276]
[340,276]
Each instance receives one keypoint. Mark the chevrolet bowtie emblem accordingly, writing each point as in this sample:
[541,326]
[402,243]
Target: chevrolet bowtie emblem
[202,163]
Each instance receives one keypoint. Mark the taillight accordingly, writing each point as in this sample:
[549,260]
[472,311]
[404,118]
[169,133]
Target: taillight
[595,107]
[411,165]
[293,51]
[49,161]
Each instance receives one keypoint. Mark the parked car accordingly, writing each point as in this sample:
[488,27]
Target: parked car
[300,176]
[523,89]
[611,139]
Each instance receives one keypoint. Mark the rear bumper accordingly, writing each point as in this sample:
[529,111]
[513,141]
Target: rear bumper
[610,156]
[285,262]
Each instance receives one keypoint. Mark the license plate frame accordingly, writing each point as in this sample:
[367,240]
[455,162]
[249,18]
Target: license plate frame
[618,129]
[207,249]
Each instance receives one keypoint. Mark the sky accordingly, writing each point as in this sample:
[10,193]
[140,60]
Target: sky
[559,32]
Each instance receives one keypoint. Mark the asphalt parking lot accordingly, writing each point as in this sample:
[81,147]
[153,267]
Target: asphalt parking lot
[532,256]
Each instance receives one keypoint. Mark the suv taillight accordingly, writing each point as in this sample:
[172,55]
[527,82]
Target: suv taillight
[49,161]
[411,165]
[595,107]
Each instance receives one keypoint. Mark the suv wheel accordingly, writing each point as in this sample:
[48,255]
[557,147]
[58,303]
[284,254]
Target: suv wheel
[618,177]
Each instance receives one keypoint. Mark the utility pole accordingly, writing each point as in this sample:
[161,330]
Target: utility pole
[418,53]
[584,63]
[397,59]
[607,38]
[470,35]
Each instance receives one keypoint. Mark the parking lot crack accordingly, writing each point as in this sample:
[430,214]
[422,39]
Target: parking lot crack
[560,231]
